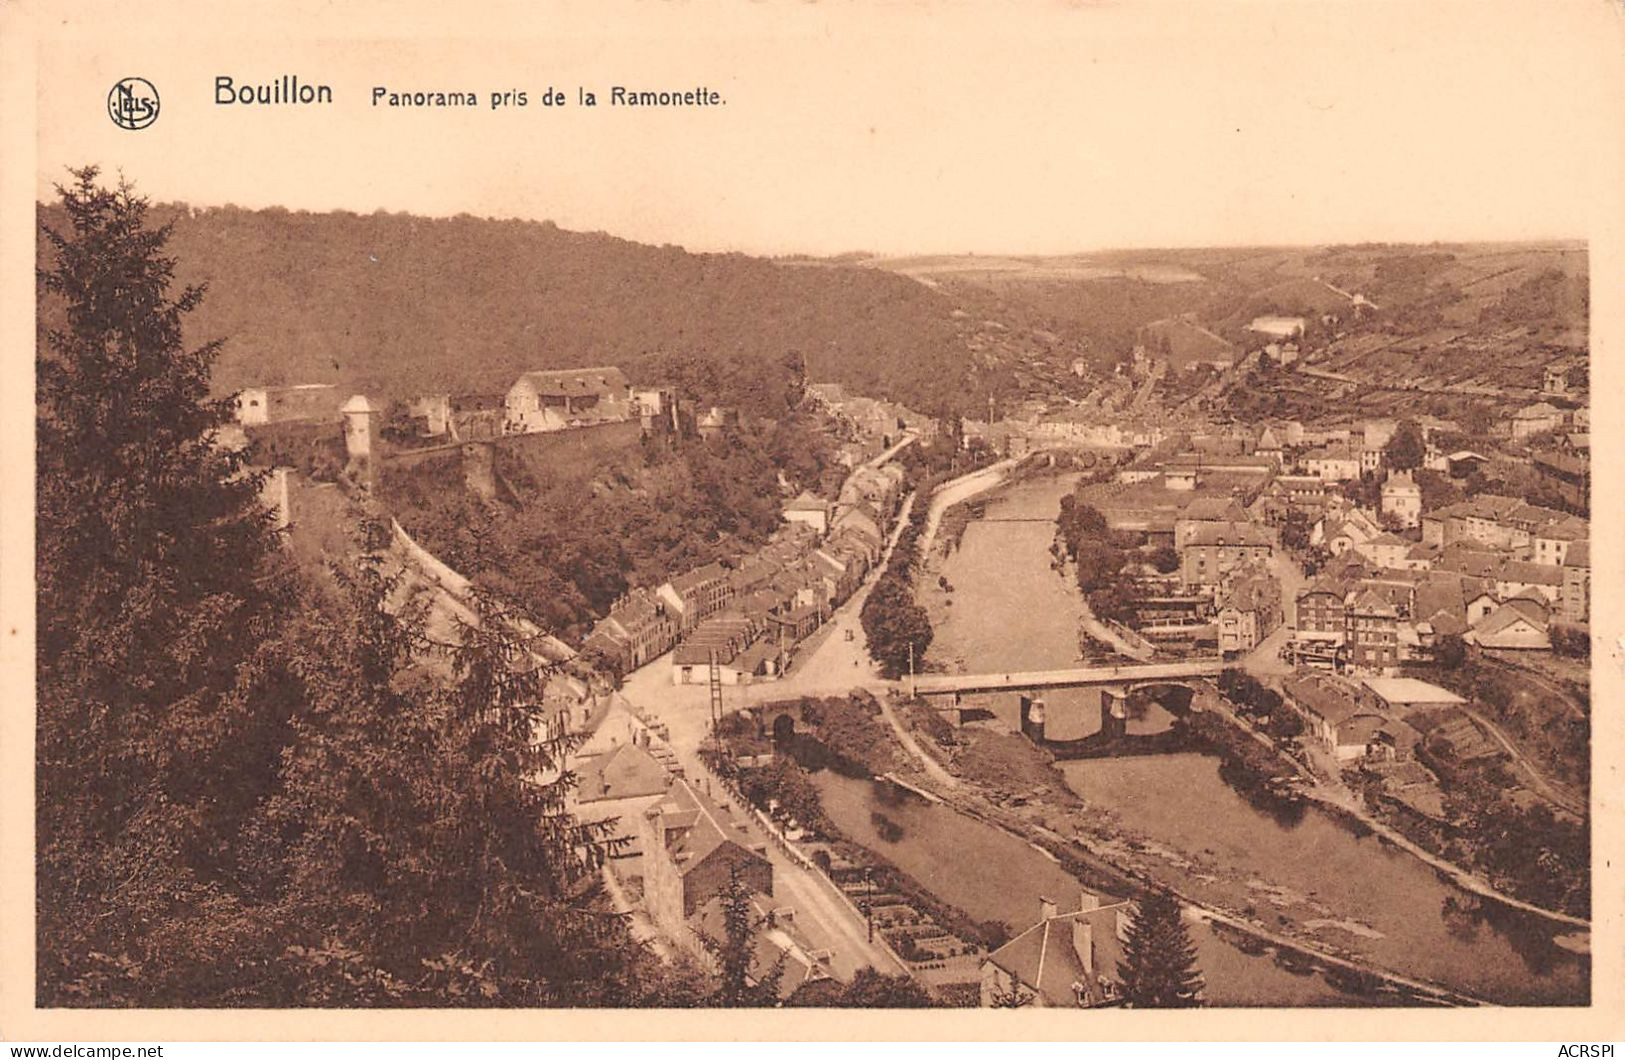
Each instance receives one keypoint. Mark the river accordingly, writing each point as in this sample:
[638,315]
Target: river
[1011,611]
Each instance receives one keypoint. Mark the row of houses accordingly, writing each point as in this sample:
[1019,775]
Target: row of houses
[1373,619]
[747,616]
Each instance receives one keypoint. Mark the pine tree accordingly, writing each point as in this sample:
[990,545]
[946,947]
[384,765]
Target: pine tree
[436,861]
[157,586]
[1158,969]
[735,953]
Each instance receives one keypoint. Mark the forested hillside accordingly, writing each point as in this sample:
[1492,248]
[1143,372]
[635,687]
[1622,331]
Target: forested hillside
[399,305]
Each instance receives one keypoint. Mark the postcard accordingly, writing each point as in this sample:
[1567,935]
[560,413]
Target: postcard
[664,520]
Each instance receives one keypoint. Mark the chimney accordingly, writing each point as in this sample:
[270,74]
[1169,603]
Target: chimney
[1088,901]
[1083,943]
[1046,908]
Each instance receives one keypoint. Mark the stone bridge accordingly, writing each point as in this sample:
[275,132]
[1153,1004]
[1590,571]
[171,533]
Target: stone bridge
[1019,694]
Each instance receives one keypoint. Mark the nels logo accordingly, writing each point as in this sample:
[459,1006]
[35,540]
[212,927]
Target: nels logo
[133,103]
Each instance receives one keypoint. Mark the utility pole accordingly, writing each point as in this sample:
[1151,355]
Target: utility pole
[716,700]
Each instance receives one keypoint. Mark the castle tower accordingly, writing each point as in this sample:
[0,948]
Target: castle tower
[360,422]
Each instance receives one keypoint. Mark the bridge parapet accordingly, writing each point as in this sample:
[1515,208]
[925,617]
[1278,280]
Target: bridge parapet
[1140,674]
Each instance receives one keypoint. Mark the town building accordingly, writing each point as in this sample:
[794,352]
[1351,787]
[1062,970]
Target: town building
[1518,623]
[810,511]
[1334,716]
[283,404]
[1209,551]
[559,399]
[1246,611]
[697,594]
[1372,632]
[1065,960]
[1332,463]
[1538,418]
[1574,603]
[1402,499]
[692,848]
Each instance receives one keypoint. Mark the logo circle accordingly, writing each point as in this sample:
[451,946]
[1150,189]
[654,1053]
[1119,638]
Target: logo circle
[133,103]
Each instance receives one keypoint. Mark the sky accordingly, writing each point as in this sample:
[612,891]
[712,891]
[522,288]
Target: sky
[888,128]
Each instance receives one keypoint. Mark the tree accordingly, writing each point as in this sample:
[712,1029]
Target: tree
[158,586]
[1158,969]
[1451,651]
[1406,448]
[735,953]
[872,989]
[1295,530]
[897,628]
[1165,559]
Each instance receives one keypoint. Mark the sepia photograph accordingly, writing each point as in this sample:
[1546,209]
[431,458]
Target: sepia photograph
[1085,509]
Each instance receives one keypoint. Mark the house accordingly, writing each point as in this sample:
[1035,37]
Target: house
[1538,418]
[1332,464]
[1211,550]
[1304,493]
[1332,715]
[434,411]
[1372,632]
[697,594]
[638,628]
[1246,612]
[1568,473]
[1065,960]
[1402,499]
[1517,623]
[626,771]
[1277,326]
[283,404]
[1321,608]
[809,510]
[1342,532]
[720,639]
[556,400]
[1375,436]
[775,943]
[1516,576]
[692,848]
[1552,541]
[1388,551]
[1268,445]
[1574,600]
[861,524]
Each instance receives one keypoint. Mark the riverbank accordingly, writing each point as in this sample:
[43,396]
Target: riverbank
[1308,878]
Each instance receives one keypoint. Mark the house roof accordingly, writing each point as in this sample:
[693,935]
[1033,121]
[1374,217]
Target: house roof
[1044,959]
[698,576]
[695,827]
[1579,555]
[773,938]
[1228,533]
[1407,691]
[1371,602]
[1524,572]
[806,502]
[624,772]
[1321,699]
[359,403]
[1506,617]
[575,382]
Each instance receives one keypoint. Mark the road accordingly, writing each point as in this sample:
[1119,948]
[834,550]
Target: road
[829,665]
[962,488]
